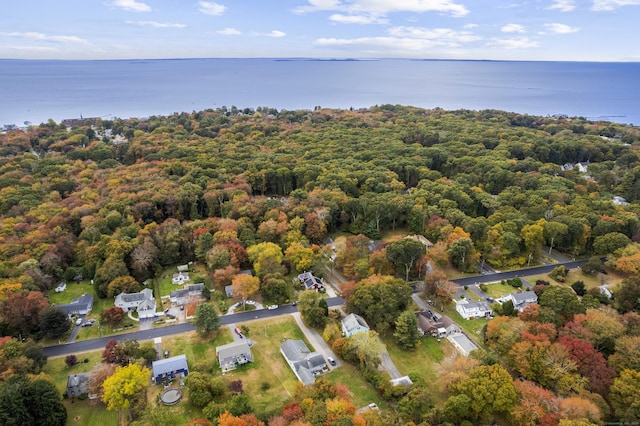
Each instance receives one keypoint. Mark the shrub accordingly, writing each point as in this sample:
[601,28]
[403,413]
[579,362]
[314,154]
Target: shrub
[484,287]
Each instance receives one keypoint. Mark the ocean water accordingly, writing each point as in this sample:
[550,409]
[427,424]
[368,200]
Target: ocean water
[36,91]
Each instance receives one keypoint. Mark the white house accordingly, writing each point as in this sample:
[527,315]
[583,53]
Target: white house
[470,310]
[352,324]
[180,278]
[522,299]
[142,302]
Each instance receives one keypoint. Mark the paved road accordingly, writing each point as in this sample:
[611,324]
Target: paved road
[93,344]
[99,343]
[536,270]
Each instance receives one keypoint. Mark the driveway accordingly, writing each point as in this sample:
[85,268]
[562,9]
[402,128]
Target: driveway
[316,341]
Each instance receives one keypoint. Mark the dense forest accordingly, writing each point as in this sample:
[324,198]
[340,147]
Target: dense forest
[117,201]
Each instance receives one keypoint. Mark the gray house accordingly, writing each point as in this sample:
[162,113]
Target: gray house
[81,305]
[186,294]
[522,299]
[231,355]
[304,363]
[77,384]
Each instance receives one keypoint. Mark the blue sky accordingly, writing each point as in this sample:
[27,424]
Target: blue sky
[590,30]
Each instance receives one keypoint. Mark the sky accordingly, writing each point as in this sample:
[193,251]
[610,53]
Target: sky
[556,30]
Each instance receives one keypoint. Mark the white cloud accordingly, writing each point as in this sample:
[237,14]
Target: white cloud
[275,34]
[608,5]
[470,26]
[45,37]
[513,28]
[31,48]
[384,7]
[132,5]
[357,19]
[228,31]
[408,39]
[156,24]
[211,8]
[513,43]
[441,36]
[561,28]
[563,5]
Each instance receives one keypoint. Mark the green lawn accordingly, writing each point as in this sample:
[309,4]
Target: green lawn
[82,413]
[496,290]
[360,391]
[422,361]
[58,370]
[268,381]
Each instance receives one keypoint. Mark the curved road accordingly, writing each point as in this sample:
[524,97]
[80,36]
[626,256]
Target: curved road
[94,344]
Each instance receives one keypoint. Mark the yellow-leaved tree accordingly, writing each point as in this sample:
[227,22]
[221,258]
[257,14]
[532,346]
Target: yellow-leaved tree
[123,386]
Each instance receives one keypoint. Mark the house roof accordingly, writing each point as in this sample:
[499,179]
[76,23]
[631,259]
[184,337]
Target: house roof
[228,290]
[77,383]
[482,306]
[147,304]
[305,375]
[178,293]
[523,297]
[233,349]
[78,304]
[195,287]
[169,365]
[352,321]
[309,280]
[183,268]
[295,350]
[145,294]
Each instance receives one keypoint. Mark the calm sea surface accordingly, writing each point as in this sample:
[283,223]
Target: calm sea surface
[38,90]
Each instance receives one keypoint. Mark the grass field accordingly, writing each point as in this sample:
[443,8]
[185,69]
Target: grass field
[496,290]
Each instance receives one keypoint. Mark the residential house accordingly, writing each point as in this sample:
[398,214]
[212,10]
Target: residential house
[77,384]
[311,282]
[522,299]
[352,324]
[170,368]
[436,326]
[619,201]
[180,278]
[228,290]
[81,305]
[421,239]
[183,268]
[234,354]
[470,310]
[142,302]
[582,167]
[304,363]
[604,289]
[186,294]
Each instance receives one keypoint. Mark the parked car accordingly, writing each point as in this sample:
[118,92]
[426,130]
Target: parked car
[79,321]
[238,332]
[166,353]
[331,361]
[270,307]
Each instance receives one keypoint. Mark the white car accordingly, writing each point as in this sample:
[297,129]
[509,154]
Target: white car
[79,321]
[272,307]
